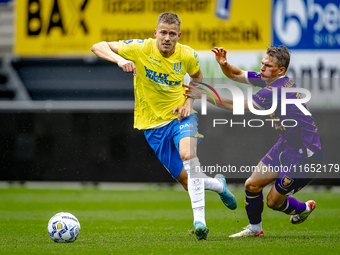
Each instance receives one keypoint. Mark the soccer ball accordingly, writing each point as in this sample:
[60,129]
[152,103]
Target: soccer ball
[63,227]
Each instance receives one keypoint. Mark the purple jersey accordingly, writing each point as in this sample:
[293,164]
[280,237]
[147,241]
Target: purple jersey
[300,141]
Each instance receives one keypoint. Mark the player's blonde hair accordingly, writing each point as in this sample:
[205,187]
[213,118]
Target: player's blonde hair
[169,18]
[282,55]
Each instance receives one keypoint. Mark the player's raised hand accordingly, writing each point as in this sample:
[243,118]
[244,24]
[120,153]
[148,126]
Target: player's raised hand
[183,112]
[127,66]
[220,55]
[195,91]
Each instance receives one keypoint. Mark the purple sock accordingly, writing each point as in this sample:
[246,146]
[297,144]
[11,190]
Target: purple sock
[254,206]
[292,206]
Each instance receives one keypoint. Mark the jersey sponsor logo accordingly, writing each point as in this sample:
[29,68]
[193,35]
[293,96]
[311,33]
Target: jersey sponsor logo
[307,24]
[160,78]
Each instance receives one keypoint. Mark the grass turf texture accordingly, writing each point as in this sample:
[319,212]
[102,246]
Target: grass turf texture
[158,222]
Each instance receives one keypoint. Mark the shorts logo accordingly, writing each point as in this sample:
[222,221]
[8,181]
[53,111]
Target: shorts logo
[286,181]
[186,125]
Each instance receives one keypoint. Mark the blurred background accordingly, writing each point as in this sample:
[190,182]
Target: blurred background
[66,115]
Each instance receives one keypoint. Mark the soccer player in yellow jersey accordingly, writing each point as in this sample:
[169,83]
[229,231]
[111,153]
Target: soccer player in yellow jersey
[163,112]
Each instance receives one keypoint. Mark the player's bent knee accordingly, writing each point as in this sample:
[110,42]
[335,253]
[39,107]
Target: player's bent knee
[273,204]
[252,186]
[186,156]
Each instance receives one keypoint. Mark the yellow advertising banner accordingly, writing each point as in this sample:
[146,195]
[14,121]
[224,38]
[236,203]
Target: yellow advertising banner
[71,27]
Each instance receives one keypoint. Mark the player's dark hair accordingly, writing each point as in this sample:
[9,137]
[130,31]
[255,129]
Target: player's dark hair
[169,18]
[282,55]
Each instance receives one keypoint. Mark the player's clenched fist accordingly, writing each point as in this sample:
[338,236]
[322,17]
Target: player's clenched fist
[127,66]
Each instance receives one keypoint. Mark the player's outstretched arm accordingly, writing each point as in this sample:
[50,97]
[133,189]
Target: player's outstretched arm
[109,52]
[195,92]
[231,71]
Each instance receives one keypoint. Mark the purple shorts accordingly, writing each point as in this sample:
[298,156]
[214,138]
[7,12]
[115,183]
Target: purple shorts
[289,162]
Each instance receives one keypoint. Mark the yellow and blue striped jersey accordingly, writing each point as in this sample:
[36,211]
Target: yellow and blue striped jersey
[158,84]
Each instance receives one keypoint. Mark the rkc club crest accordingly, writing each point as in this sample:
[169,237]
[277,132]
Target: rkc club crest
[177,66]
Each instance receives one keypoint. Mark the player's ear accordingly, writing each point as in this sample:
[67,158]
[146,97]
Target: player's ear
[155,32]
[179,35]
[282,70]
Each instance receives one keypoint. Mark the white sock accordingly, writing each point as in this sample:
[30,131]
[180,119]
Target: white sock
[256,228]
[213,184]
[307,208]
[196,188]
[209,183]
[199,214]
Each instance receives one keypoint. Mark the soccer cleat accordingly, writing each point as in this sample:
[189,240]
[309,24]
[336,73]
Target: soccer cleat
[247,233]
[227,197]
[299,218]
[201,230]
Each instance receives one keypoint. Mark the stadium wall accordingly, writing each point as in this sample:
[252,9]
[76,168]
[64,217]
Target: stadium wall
[103,146]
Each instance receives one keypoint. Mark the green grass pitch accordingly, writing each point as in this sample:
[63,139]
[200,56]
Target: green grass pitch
[159,221]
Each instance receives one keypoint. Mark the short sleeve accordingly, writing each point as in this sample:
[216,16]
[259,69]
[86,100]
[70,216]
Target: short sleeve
[130,49]
[263,98]
[193,65]
[255,79]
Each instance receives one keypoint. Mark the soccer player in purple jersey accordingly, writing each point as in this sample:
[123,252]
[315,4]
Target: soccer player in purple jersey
[298,145]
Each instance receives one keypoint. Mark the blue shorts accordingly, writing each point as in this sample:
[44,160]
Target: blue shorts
[291,179]
[165,141]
